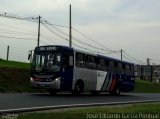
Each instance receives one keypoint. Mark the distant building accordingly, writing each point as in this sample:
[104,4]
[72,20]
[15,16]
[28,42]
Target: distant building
[148,72]
[156,73]
[144,72]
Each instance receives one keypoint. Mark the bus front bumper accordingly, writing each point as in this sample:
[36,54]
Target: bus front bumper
[55,84]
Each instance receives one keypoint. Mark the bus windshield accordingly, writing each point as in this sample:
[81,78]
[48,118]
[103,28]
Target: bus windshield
[49,62]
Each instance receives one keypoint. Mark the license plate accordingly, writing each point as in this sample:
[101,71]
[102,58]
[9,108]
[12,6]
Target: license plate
[42,85]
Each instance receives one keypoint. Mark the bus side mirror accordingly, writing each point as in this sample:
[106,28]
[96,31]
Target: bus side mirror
[29,55]
[70,60]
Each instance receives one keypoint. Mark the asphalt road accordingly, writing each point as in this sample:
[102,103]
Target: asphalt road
[28,100]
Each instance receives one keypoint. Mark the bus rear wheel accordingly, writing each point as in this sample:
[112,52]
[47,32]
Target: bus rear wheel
[115,92]
[95,92]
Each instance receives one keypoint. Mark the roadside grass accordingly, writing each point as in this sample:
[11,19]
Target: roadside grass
[137,110]
[14,76]
[14,80]
[146,87]
[14,64]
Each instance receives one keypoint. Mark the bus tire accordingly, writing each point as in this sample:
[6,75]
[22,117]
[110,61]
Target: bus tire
[115,92]
[78,88]
[95,92]
[52,92]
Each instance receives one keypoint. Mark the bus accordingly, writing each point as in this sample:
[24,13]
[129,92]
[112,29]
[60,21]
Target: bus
[61,68]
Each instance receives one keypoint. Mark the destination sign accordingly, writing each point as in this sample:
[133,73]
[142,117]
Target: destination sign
[49,48]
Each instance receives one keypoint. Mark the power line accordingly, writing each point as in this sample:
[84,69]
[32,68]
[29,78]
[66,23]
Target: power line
[51,38]
[86,49]
[11,32]
[16,38]
[6,15]
[54,27]
[79,40]
[29,18]
[155,60]
[132,58]
[89,45]
[18,28]
[93,40]
[54,32]
[46,22]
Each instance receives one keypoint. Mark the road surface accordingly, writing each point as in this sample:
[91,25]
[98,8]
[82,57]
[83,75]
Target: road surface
[29,100]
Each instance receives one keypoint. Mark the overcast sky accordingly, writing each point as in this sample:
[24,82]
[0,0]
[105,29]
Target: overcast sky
[131,25]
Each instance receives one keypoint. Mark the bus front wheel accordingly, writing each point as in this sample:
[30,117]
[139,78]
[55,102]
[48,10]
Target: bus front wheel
[52,92]
[78,88]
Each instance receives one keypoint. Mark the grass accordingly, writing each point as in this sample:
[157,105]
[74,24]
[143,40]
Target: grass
[14,80]
[130,111]
[146,87]
[14,64]
[15,77]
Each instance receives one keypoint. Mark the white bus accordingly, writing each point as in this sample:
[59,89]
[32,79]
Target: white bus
[61,68]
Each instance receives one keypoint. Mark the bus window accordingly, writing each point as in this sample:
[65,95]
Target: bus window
[101,64]
[115,66]
[40,60]
[91,62]
[120,68]
[111,67]
[68,59]
[128,69]
[53,62]
[80,60]
[132,69]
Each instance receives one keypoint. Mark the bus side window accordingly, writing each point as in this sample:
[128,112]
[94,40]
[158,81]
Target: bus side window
[132,70]
[107,64]
[120,68]
[101,64]
[124,68]
[128,69]
[71,61]
[91,62]
[111,67]
[115,66]
[67,59]
[80,60]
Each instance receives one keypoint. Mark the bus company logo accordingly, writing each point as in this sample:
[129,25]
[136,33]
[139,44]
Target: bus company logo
[100,75]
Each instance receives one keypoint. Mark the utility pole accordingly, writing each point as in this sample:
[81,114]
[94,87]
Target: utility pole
[7,52]
[148,61]
[121,54]
[39,22]
[70,28]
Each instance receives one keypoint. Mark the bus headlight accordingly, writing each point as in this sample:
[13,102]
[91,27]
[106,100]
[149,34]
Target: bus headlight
[31,79]
[34,79]
[58,78]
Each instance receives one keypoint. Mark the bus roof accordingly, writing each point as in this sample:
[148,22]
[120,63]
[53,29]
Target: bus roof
[90,53]
[113,59]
